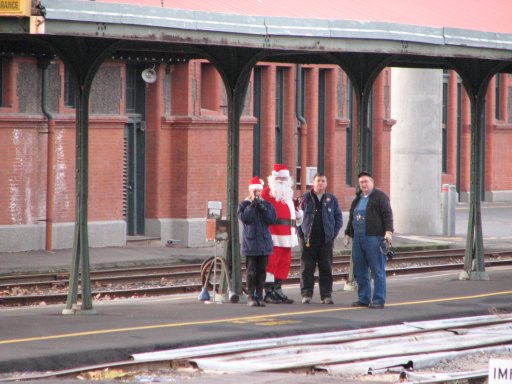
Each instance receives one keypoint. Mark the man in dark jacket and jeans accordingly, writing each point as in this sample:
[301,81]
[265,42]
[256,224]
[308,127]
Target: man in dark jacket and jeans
[321,224]
[256,215]
[370,225]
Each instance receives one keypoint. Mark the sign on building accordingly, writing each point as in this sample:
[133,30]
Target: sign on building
[15,7]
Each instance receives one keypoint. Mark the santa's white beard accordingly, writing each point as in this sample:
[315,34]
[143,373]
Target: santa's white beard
[281,191]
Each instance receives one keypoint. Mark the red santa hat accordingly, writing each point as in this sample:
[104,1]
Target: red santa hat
[280,170]
[256,183]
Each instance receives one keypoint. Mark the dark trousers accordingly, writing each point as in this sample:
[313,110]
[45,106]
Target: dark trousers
[256,272]
[318,253]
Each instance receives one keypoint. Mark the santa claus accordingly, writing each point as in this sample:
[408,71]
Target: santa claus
[279,193]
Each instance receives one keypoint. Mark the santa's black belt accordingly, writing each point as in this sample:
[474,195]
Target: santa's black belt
[291,223]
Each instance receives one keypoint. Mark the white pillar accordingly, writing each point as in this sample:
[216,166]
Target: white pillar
[416,150]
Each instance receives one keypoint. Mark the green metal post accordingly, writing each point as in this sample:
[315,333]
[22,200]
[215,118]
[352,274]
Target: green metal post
[474,268]
[80,257]
[361,158]
[234,113]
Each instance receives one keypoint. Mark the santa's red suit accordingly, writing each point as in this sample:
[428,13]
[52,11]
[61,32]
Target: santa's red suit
[283,235]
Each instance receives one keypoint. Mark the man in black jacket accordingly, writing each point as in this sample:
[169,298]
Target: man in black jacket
[370,225]
[321,224]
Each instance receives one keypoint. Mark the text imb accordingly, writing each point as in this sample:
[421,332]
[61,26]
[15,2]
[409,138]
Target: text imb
[500,371]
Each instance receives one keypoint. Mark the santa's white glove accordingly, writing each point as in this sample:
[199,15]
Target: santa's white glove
[388,237]
[346,240]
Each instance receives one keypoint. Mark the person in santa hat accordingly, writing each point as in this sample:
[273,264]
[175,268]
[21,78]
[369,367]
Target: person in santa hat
[256,215]
[279,193]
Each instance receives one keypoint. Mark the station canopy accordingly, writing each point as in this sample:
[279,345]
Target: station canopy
[449,29]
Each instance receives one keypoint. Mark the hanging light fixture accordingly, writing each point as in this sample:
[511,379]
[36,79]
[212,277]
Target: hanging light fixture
[149,75]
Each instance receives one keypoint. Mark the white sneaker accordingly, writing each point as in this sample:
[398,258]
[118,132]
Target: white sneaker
[306,300]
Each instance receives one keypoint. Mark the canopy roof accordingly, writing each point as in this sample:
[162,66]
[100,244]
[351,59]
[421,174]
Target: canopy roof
[478,15]
[469,28]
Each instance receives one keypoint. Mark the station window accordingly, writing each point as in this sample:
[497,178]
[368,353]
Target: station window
[279,114]
[69,89]
[444,127]
[135,93]
[301,112]
[367,162]
[459,136]
[131,89]
[349,157]
[256,89]
[321,121]
[497,92]
[210,87]
[1,81]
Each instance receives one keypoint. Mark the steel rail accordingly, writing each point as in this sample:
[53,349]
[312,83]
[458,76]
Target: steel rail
[188,271]
[60,275]
[168,360]
[16,278]
[148,291]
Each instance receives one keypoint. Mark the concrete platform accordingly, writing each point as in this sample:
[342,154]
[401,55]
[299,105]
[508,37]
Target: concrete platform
[41,338]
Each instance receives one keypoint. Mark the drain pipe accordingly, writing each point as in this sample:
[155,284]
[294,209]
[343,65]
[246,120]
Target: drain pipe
[50,161]
[302,129]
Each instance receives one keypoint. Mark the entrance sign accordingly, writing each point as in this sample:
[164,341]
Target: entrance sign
[15,7]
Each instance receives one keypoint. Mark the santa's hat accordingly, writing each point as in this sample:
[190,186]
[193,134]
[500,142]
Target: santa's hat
[256,183]
[280,170]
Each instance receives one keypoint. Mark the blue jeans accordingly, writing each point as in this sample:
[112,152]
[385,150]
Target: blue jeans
[367,256]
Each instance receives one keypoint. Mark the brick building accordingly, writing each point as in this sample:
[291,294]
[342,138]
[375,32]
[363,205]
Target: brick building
[158,151]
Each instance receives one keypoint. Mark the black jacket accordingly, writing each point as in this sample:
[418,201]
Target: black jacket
[332,217]
[379,216]
[256,237]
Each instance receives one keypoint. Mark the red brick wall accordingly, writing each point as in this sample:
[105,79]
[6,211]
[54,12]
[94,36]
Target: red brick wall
[22,193]
[105,170]
[187,150]
[498,155]
[65,171]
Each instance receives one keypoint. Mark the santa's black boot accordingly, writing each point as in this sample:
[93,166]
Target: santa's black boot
[270,296]
[279,294]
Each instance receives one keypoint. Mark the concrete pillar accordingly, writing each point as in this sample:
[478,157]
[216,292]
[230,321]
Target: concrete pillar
[416,150]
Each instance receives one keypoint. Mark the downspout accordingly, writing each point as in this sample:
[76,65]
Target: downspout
[50,173]
[302,128]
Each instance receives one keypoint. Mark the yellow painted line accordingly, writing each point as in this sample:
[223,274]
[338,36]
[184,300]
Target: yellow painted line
[261,318]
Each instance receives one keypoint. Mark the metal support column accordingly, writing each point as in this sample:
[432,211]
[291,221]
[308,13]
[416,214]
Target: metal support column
[474,268]
[234,113]
[362,72]
[361,159]
[475,76]
[235,68]
[84,59]
[81,237]
[363,148]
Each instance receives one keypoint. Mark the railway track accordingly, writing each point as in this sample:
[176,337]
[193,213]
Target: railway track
[51,288]
[414,352]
